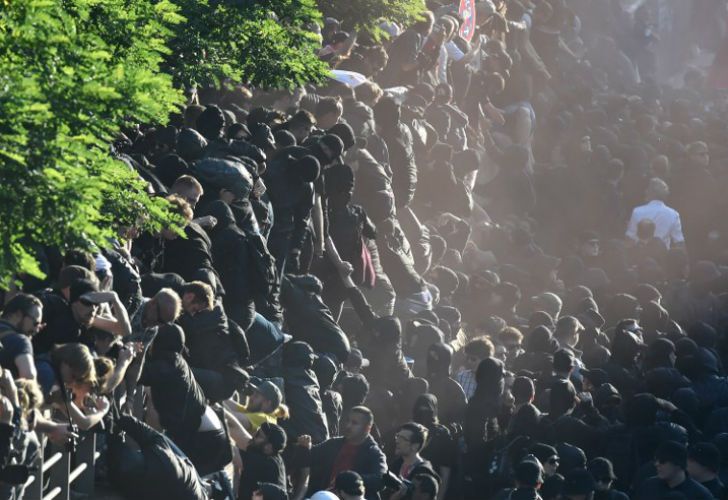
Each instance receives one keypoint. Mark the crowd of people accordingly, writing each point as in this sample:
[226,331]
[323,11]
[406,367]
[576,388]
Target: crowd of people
[459,269]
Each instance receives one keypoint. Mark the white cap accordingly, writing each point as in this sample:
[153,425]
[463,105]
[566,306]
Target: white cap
[324,495]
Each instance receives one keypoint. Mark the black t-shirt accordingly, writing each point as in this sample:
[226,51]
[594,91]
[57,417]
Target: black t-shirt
[656,489]
[61,327]
[260,468]
[14,344]
[715,486]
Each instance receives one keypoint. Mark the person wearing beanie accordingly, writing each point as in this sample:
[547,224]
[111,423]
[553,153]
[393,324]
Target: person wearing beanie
[578,485]
[703,465]
[350,230]
[197,431]
[528,477]
[289,180]
[603,473]
[671,463]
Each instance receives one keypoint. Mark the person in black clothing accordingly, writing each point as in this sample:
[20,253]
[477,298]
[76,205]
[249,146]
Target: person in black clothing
[191,256]
[603,473]
[246,291]
[68,314]
[212,354]
[349,228]
[260,455]
[703,465]
[481,415]
[180,403]
[671,463]
[441,449]
[156,470]
[449,393]
[331,401]
[22,317]
[302,394]
[528,478]
[289,180]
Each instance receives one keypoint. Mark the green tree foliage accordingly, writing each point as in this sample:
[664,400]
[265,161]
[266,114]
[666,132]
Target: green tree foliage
[365,16]
[71,73]
[263,43]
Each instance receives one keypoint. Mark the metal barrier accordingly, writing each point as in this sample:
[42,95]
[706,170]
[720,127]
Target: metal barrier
[55,476]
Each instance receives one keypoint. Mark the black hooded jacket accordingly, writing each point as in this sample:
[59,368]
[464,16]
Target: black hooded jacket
[309,319]
[246,269]
[302,394]
[160,472]
[448,392]
[208,341]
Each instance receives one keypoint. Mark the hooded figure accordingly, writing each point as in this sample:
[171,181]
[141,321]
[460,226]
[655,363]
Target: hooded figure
[180,402]
[245,267]
[309,319]
[331,401]
[622,366]
[481,415]
[441,449]
[540,346]
[157,469]
[212,354]
[447,390]
[400,144]
[302,394]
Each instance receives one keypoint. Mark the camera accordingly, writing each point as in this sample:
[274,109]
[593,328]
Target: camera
[393,482]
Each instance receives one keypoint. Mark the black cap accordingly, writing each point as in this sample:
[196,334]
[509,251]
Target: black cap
[79,290]
[350,483]
[275,434]
[672,452]
[543,452]
[529,472]
[271,491]
[596,376]
[705,454]
[578,482]
[563,360]
[334,144]
[344,132]
[601,468]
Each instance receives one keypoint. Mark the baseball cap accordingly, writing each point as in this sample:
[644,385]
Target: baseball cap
[350,483]
[271,491]
[80,289]
[356,359]
[270,391]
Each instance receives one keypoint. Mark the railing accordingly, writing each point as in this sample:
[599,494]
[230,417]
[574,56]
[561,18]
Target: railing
[56,474]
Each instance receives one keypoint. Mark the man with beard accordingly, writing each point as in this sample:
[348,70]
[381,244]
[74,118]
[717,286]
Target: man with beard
[260,454]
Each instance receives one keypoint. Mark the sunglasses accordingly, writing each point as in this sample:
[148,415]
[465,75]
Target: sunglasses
[553,461]
[88,303]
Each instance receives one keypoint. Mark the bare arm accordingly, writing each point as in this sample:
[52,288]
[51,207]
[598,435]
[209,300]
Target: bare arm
[26,366]
[238,434]
[118,323]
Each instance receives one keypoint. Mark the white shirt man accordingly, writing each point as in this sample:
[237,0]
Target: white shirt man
[668,227]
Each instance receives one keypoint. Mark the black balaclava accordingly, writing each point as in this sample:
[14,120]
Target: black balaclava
[439,358]
[211,123]
[490,379]
[425,410]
